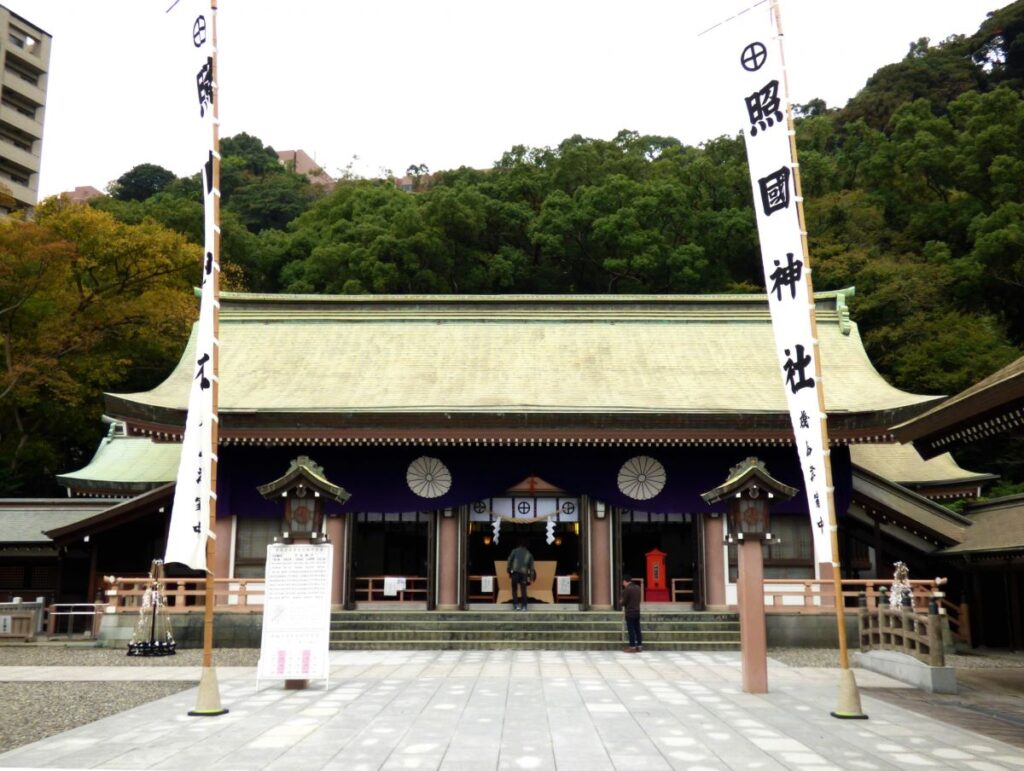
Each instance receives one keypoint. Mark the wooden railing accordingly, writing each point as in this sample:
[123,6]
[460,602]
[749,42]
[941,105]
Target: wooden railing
[372,589]
[682,590]
[812,595]
[795,595]
[72,618]
[476,591]
[904,630]
[184,595]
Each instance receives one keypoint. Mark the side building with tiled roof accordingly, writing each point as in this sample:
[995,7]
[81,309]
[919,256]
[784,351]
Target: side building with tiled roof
[990,557]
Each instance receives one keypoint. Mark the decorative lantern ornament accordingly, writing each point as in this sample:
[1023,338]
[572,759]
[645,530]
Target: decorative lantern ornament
[641,478]
[428,477]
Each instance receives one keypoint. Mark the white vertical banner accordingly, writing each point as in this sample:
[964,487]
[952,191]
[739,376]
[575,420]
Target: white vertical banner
[191,22]
[754,52]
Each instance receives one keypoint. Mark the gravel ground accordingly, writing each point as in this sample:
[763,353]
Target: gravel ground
[56,655]
[35,710]
[829,657]
[32,711]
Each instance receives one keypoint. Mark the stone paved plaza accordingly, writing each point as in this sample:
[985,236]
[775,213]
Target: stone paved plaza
[514,710]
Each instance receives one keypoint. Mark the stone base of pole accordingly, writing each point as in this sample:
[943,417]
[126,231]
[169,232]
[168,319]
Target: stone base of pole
[849,698]
[208,698]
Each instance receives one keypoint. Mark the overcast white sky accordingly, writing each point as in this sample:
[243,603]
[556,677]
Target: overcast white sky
[441,82]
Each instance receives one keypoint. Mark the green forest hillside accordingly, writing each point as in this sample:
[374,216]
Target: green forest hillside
[914,195]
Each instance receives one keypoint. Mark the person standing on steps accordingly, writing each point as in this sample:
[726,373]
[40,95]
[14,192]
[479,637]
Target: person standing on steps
[630,601]
[522,573]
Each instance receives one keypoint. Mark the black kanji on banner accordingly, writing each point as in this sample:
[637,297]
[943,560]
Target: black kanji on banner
[764,108]
[788,275]
[208,173]
[204,86]
[199,31]
[774,191]
[204,382]
[796,377]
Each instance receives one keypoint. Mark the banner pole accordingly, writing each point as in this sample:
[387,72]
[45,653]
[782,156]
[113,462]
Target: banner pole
[849,698]
[208,698]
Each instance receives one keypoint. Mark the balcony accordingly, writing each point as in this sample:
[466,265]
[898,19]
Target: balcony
[21,121]
[34,53]
[16,155]
[13,81]
[23,194]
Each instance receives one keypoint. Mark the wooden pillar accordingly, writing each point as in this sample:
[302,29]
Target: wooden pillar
[978,614]
[222,561]
[348,522]
[1012,608]
[714,562]
[879,561]
[93,560]
[753,636]
[449,535]
[600,557]
[336,534]
[1016,579]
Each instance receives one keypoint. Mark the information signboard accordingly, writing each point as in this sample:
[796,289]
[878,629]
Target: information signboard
[296,612]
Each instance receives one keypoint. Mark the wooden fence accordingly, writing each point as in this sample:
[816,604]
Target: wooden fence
[184,595]
[905,630]
[796,595]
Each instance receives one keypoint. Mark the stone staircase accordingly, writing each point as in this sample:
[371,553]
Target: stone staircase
[533,630]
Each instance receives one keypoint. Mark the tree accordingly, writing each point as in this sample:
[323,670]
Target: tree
[141,182]
[87,304]
[272,201]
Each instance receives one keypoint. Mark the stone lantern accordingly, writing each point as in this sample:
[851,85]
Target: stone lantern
[303,490]
[750,490]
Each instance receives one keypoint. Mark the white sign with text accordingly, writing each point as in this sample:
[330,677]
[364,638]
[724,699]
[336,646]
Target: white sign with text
[296,612]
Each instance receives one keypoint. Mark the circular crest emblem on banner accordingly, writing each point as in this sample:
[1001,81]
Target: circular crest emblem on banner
[428,477]
[641,478]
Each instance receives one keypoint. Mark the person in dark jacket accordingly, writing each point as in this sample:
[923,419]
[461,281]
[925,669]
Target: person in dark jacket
[522,572]
[631,609]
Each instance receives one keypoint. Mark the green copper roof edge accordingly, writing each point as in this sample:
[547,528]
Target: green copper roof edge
[497,299]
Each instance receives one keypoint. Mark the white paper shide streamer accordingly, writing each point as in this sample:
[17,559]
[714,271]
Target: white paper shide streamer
[192,26]
[755,57]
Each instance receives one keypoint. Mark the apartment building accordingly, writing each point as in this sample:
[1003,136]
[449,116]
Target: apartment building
[25,56]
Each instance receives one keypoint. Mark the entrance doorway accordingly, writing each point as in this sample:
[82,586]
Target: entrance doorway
[548,526]
[673,534]
[390,556]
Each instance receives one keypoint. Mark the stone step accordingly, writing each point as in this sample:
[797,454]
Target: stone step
[561,616]
[534,630]
[559,635]
[434,644]
[530,623]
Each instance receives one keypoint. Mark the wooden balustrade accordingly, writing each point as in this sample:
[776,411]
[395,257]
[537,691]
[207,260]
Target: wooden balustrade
[184,595]
[959,619]
[682,590]
[812,595]
[476,591]
[372,589]
[818,596]
[904,630]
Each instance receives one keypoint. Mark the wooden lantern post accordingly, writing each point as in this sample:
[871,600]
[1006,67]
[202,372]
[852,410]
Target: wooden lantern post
[749,491]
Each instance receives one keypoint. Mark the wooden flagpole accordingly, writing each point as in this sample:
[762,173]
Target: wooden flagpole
[208,698]
[849,698]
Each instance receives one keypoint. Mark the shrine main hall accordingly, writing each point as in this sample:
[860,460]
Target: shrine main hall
[426,436]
